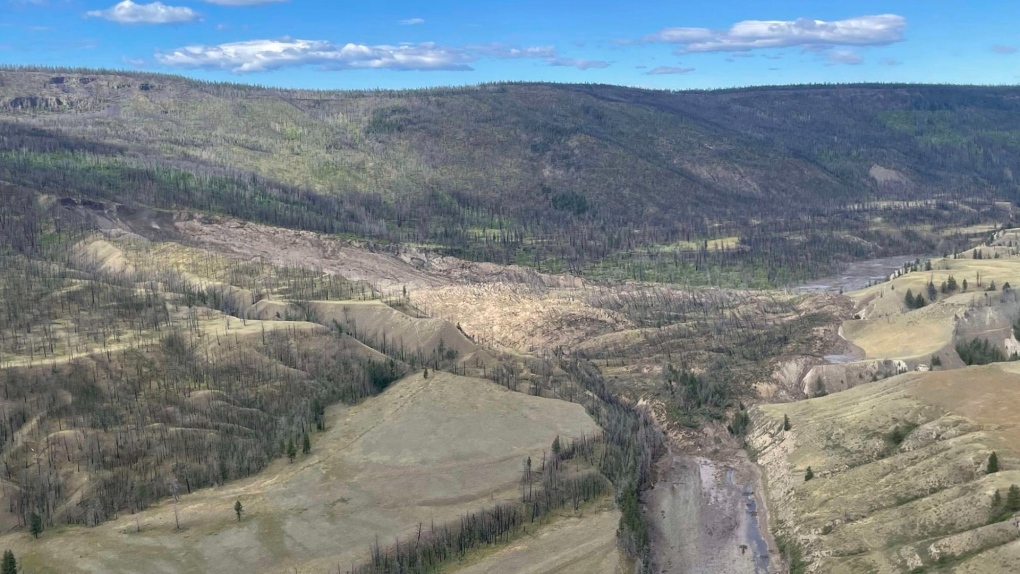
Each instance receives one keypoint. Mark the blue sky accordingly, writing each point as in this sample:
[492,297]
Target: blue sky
[402,44]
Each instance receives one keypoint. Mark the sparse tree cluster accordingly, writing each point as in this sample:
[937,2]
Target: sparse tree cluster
[1003,508]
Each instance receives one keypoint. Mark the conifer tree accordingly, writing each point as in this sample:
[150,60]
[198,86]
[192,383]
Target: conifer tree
[820,390]
[291,450]
[809,474]
[8,565]
[306,444]
[35,525]
[238,509]
[556,446]
[1013,499]
[319,414]
[786,423]
[993,463]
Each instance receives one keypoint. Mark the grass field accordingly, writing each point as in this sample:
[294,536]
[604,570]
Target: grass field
[425,450]
[889,330]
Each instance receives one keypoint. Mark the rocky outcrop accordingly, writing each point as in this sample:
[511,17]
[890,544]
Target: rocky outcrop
[34,103]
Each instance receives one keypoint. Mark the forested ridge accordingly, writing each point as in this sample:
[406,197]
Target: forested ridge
[753,187]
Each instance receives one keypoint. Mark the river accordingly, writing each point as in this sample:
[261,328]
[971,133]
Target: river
[705,517]
[858,275]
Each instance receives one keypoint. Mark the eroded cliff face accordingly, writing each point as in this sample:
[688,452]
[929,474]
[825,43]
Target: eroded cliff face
[771,447]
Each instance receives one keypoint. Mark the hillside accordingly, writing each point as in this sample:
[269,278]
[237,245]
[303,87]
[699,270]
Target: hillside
[367,312]
[424,451]
[898,431]
[900,482]
[748,187]
[151,383]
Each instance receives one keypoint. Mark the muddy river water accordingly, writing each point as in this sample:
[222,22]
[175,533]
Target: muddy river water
[705,518]
[858,275]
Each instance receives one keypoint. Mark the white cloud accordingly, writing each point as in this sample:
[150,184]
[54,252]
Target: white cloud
[756,34]
[576,63]
[513,52]
[242,2]
[662,70]
[848,57]
[127,12]
[263,55]
[412,21]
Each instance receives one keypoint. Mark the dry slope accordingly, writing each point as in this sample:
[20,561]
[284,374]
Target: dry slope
[900,482]
[424,450]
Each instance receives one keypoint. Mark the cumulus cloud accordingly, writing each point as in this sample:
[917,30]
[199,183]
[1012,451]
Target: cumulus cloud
[891,62]
[412,21]
[757,34]
[263,55]
[662,70]
[848,57]
[1004,50]
[579,64]
[127,12]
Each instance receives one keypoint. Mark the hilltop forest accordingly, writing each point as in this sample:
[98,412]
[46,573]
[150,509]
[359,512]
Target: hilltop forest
[758,187]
